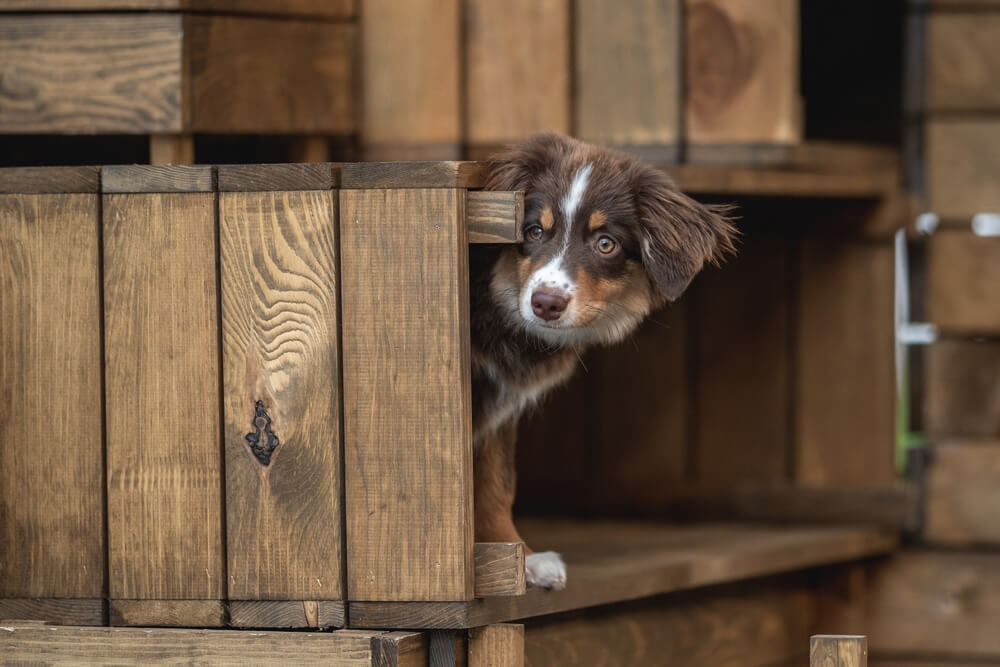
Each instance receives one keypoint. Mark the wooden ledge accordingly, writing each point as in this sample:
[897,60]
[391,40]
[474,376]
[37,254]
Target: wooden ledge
[617,561]
[392,175]
[270,177]
[143,178]
[47,180]
[499,568]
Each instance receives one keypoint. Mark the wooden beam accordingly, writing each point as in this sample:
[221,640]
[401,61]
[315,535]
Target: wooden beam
[39,180]
[270,177]
[495,217]
[168,613]
[496,645]
[137,178]
[838,651]
[60,611]
[287,614]
[499,568]
[356,175]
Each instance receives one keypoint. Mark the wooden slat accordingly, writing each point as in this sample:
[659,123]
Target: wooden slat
[407,408]
[61,611]
[963,282]
[742,72]
[287,614]
[735,180]
[518,52]
[962,158]
[32,180]
[962,396]
[497,645]
[611,562]
[838,651]
[302,69]
[139,178]
[412,175]
[844,386]
[962,62]
[963,493]
[499,568]
[268,177]
[407,50]
[51,481]
[168,613]
[162,397]
[400,649]
[495,217]
[33,644]
[326,8]
[627,73]
[281,395]
[99,73]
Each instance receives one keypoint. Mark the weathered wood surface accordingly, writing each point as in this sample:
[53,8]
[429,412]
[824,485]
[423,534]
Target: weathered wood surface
[962,62]
[326,8]
[38,180]
[500,645]
[838,651]
[627,74]
[91,73]
[962,395]
[634,560]
[401,649]
[963,493]
[61,611]
[164,474]
[963,282]
[137,178]
[281,398]
[419,174]
[962,157]
[287,614]
[409,506]
[407,50]
[271,177]
[168,613]
[495,217]
[51,481]
[517,52]
[499,568]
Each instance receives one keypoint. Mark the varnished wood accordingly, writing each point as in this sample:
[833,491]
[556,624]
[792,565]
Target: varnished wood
[963,282]
[268,177]
[963,493]
[91,73]
[962,62]
[499,568]
[280,380]
[168,613]
[171,149]
[637,559]
[60,611]
[38,180]
[500,645]
[838,651]
[495,217]
[51,481]
[962,395]
[164,472]
[287,614]
[517,51]
[157,178]
[409,505]
[961,156]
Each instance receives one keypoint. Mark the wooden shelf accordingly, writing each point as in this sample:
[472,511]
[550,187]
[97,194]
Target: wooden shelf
[613,561]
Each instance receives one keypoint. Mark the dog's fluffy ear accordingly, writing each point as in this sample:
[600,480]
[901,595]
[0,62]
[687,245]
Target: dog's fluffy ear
[679,235]
[515,167]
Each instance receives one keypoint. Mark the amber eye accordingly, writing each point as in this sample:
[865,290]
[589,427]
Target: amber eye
[534,233]
[606,245]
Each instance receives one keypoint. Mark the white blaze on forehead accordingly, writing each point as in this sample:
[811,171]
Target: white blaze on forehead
[571,202]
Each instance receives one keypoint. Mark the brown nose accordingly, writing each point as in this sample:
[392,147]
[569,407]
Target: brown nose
[547,305]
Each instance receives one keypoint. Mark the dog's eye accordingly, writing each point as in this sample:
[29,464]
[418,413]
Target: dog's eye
[606,245]
[534,233]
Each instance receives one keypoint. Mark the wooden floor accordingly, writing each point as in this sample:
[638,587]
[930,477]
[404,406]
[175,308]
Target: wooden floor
[616,561]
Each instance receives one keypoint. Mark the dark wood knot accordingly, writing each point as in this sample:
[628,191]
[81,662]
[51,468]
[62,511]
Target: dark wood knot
[262,440]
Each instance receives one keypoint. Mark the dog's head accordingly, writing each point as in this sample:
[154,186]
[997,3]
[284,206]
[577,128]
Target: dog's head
[606,240]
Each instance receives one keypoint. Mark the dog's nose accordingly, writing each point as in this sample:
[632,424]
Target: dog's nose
[547,305]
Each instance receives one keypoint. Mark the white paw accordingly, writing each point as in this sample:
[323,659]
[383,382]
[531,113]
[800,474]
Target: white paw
[545,570]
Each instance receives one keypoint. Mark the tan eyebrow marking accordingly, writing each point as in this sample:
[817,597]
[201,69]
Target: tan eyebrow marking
[546,219]
[597,220]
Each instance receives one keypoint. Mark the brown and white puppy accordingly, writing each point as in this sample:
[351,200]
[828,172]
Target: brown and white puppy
[606,240]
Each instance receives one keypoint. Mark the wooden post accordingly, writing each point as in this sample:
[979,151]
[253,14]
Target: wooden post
[838,651]
[162,395]
[500,645]
[51,480]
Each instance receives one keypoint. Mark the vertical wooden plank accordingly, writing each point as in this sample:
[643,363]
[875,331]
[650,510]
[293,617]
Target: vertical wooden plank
[962,396]
[162,395]
[517,77]
[51,504]
[627,75]
[845,419]
[407,408]
[500,645]
[407,50]
[838,651]
[281,394]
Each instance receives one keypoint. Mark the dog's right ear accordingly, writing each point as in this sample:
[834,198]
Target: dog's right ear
[517,166]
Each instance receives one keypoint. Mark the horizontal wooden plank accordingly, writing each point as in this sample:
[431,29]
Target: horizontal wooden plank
[963,493]
[157,178]
[499,568]
[67,645]
[896,507]
[325,8]
[611,562]
[962,62]
[45,180]
[62,611]
[962,389]
[412,175]
[963,282]
[286,614]
[736,180]
[169,613]
[495,217]
[962,158]
[266,177]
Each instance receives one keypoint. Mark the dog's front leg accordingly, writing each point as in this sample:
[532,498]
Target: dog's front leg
[495,483]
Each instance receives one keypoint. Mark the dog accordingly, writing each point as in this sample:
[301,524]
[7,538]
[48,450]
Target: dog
[607,239]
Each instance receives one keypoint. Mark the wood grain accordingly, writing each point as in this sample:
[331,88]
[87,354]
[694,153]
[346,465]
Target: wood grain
[518,52]
[51,481]
[408,49]
[627,72]
[634,560]
[327,8]
[963,493]
[961,157]
[845,379]
[742,71]
[495,217]
[400,649]
[279,345]
[60,611]
[108,73]
[65,646]
[269,177]
[162,397]
[962,62]
[412,175]
[287,614]
[157,178]
[303,69]
[963,282]
[407,408]
[962,396]
[37,180]
[500,645]
[499,568]
[168,613]
[838,651]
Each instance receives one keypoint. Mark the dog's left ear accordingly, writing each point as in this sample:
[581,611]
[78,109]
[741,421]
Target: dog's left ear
[679,235]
